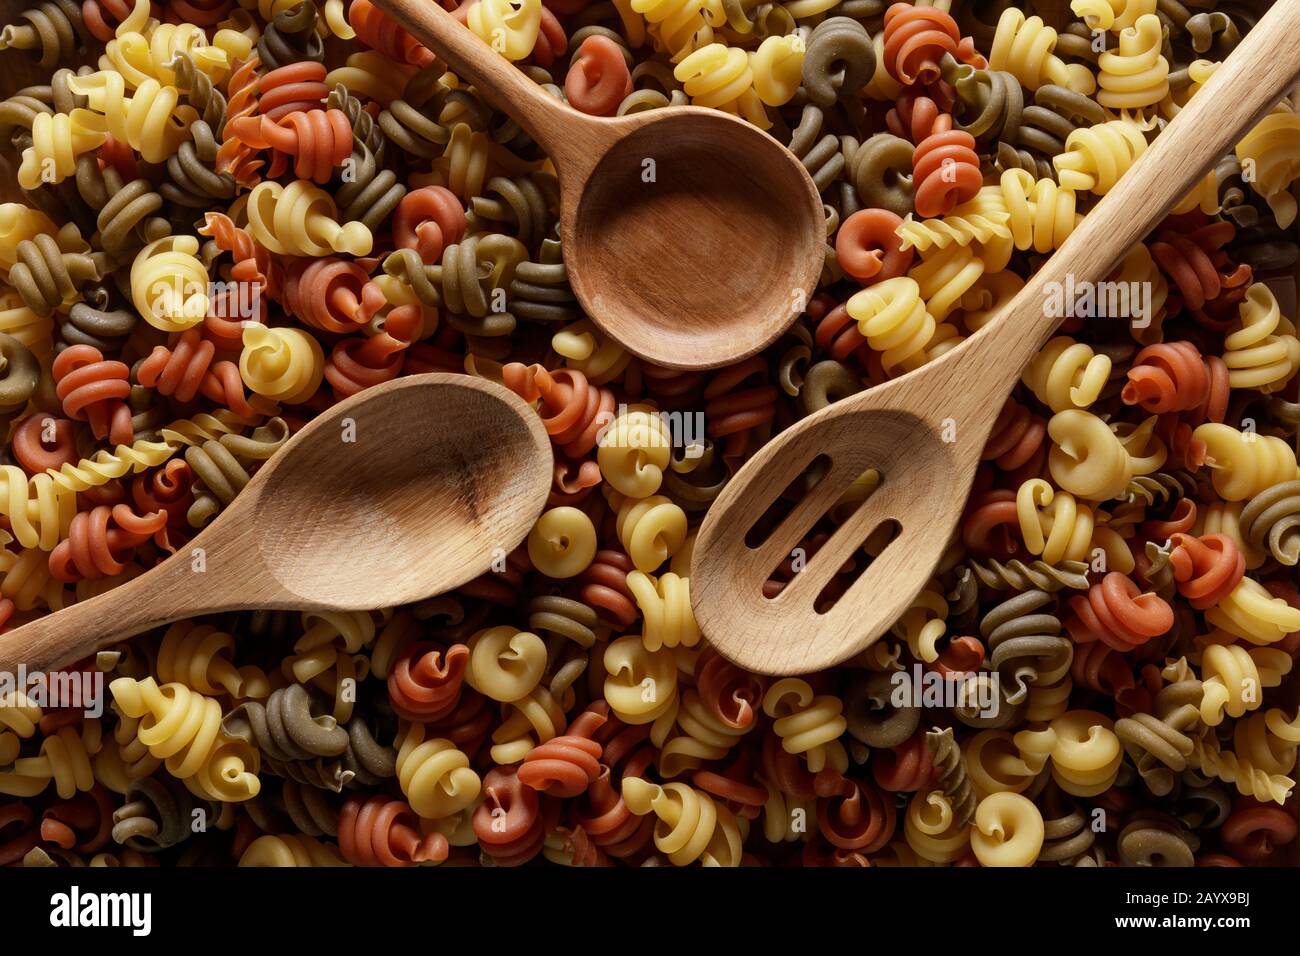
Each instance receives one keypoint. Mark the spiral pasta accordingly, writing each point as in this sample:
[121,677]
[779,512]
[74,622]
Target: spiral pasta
[183,729]
[301,202]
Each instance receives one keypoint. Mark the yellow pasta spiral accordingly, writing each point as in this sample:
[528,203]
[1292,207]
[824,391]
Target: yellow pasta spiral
[1252,614]
[199,656]
[151,119]
[1268,740]
[1138,267]
[1049,701]
[1087,458]
[1111,14]
[1233,679]
[535,719]
[1096,157]
[169,284]
[1086,753]
[665,604]
[1251,780]
[1244,463]
[931,828]
[719,76]
[301,220]
[995,764]
[19,322]
[65,759]
[987,296]
[924,623]
[283,364]
[335,18]
[1224,517]
[808,724]
[1067,374]
[57,140]
[18,720]
[787,819]
[26,580]
[681,26]
[1008,831]
[133,759]
[979,219]
[19,223]
[591,351]
[468,160]
[1136,76]
[634,450]
[1261,349]
[108,466]
[39,510]
[203,427]
[777,66]
[326,655]
[505,663]
[640,684]
[510,27]
[1053,524]
[562,543]
[143,49]
[1041,214]
[1023,48]
[691,825]
[945,275]
[371,75]
[651,529]
[183,729]
[895,322]
[435,777]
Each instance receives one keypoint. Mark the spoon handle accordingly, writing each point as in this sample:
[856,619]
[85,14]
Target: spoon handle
[220,569]
[1257,73]
[163,594]
[547,120]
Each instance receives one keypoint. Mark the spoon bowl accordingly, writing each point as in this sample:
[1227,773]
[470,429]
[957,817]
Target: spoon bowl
[690,237]
[405,490]
[885,539]
[655,237]
[461,471]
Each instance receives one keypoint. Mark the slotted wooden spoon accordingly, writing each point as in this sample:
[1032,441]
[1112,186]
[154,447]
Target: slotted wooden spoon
[441,471]
[690,236]
[898,427]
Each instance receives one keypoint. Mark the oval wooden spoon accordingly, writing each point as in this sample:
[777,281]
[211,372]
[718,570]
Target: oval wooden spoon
[691,237]
[925,431]
[441,470]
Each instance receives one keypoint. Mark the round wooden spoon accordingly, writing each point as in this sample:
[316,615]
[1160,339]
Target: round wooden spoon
[404,490]
[690,236]
[924,432]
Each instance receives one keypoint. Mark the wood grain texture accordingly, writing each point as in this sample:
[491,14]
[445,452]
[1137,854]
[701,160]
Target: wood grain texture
[445,472]
[691,237]
[898,427]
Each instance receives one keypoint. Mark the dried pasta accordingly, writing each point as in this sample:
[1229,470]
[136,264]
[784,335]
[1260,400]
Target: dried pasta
[237,214]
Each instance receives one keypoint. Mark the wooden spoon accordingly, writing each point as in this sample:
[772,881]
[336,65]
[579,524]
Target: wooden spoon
[441,471]
[925,431]
[691,237]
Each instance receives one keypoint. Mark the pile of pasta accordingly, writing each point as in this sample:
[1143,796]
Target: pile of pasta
[240,213]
